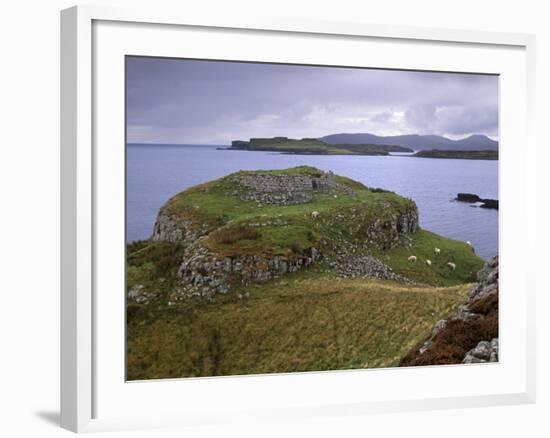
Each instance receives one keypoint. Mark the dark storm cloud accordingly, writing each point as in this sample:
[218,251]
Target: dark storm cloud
[184,101]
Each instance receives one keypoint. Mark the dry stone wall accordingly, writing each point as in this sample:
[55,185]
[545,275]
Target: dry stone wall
[205,273]
[269,188]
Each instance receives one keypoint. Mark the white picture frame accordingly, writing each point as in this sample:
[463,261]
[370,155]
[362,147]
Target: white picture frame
[84,55]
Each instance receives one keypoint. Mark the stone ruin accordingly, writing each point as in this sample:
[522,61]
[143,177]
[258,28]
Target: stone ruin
[280,189]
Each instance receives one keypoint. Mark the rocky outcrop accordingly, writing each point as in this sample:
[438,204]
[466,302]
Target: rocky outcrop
[166,229]
[180,230]
[283,189]
[470,335]
[468,197]
[349,265]
[472,198]
[485,351]
[386,233]
[205,273]
[489,203]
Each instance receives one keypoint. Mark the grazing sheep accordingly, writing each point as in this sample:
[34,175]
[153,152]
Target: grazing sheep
[429,262]
[468,243]
[314,214]
[437,251]
[451,265]
[412,259]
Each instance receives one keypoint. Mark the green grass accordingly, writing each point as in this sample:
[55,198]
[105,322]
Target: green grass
[217,202]
[422,245]
[268,241]
[283,227]
[304,322]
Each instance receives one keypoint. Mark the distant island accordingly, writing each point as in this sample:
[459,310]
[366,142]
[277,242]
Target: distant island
[465,155]
[416,142]
[313,146]
[474,147]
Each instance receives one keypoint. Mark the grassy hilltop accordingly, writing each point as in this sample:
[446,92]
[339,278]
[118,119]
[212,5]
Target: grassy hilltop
[317,317]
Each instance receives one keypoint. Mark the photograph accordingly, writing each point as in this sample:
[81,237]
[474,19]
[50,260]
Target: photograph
[286,218]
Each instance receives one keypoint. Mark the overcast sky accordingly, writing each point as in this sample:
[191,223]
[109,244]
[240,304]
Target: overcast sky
[211,102]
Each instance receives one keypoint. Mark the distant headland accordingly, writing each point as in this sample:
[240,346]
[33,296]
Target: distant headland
[314,146]
[474,147]
[464,155]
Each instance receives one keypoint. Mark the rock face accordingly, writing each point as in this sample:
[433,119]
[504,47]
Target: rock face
[459,339]
[165,229]
[269,188]
[205,274]
[485,351]
[385,234]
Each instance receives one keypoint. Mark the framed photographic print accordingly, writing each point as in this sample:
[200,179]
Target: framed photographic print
[285,219]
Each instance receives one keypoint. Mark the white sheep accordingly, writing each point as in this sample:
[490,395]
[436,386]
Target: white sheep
[437,251]
[412,259]
[451,265]
[428,262]
[468,243]
[314,214]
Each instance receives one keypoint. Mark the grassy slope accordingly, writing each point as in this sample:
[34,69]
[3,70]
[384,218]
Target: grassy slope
[303,322]
[422,245]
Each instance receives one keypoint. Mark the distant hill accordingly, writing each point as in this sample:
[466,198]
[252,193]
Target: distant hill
[416,142]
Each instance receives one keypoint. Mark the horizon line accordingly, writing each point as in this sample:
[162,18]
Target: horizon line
[318,138]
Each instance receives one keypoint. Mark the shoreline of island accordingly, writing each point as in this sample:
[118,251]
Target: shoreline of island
[313,146]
